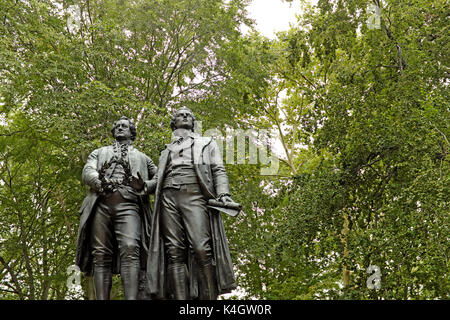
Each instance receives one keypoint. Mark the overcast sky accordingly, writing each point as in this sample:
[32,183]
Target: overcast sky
[274,15]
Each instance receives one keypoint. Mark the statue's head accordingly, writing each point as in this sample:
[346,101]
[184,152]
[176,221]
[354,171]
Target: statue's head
[124,128]
[183,118]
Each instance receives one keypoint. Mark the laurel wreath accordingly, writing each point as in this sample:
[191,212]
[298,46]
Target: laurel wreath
[110,186]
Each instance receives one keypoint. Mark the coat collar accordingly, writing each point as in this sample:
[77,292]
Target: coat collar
[131,154]
[199,143]
[178,133]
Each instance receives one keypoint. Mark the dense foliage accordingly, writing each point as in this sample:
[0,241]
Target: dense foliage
[361,111]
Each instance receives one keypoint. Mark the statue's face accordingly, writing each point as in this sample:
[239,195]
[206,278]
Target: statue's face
[184,119]
[122,130]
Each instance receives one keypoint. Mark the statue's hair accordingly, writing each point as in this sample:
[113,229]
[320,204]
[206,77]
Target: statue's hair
[172,121]
[132,127]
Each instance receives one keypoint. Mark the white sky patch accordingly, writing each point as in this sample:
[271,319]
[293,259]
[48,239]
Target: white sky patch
[272,16]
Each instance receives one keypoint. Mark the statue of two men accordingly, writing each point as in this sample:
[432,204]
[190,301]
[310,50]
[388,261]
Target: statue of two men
[180,247]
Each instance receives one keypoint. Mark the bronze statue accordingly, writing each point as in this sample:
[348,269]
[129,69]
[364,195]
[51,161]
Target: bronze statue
[189,256]
[114,226]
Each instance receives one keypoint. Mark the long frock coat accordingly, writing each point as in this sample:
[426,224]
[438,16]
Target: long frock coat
[213,181]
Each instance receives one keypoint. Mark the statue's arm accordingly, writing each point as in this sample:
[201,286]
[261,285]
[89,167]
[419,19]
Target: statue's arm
[90,175]
[150,185]
[218,171]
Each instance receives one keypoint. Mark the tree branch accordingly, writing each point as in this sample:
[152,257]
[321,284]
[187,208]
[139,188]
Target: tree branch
[18,288]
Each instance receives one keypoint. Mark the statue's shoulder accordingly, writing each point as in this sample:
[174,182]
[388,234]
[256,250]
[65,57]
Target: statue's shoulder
[140,153]
[134,149]
[98,150]
[104,149]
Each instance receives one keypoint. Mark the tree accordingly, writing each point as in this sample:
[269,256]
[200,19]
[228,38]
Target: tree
[62,88]
[372,108]
[361,111]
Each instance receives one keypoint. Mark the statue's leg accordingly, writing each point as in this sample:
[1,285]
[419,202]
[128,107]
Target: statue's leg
[173,233]
[176,273]
[198,230]
[102,251]
[208,290]
[102,282]
[127,227]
